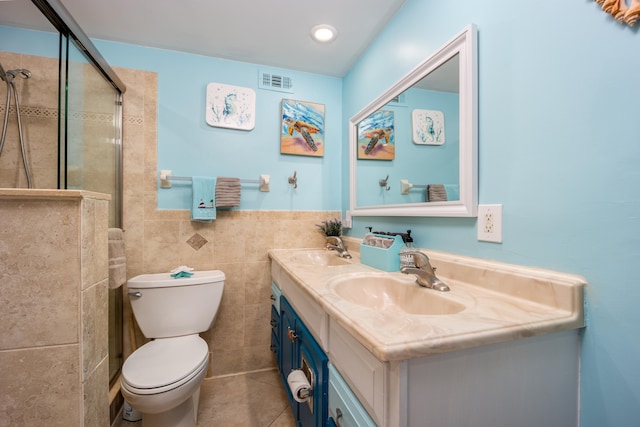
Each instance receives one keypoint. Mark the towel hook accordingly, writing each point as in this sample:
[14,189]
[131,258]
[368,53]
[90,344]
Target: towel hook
[383,183]
[293,180]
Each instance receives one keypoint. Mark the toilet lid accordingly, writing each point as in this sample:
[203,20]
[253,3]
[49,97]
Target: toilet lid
[165,361]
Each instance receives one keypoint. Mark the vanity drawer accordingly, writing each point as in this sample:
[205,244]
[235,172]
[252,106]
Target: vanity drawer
[366,375]
[344,407]
[310,311]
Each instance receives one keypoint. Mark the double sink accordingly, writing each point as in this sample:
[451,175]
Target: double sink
[379,291]
[394,318]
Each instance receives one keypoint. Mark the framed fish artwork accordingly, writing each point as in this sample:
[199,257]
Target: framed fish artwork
[302,128]
[427,127]
[231,107]
[376,137]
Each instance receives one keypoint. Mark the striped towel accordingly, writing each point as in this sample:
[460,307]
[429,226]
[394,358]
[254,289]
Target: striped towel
[436,193]
[227,192]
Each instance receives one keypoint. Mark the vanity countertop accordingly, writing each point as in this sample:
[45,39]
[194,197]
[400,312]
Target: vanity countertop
[503,302]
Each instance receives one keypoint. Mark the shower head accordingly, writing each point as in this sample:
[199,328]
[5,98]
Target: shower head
[25,74]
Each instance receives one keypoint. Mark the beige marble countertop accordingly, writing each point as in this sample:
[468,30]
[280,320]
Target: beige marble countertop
[503,302]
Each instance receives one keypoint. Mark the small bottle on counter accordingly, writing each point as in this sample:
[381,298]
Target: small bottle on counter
[406,259]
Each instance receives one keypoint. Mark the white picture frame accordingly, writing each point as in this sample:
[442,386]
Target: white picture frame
[427,127]
[232,107]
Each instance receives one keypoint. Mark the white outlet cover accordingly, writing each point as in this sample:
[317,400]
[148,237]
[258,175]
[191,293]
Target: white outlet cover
[490,223]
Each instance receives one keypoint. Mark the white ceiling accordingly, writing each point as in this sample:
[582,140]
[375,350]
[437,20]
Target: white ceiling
[268,32]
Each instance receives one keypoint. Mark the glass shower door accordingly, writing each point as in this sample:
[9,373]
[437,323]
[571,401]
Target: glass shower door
[91,158]
[92,132]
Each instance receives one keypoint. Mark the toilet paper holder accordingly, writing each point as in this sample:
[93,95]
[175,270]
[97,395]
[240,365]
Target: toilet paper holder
[308,372]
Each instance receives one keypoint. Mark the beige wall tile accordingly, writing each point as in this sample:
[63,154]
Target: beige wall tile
[95,327]
[94,251]
[95,394]
[40,273]
[55,399]
[39,113]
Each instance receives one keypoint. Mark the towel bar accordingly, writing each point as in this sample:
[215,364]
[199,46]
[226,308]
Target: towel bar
[405,186]
[166,178]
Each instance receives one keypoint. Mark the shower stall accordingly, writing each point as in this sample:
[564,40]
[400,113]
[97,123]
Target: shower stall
[62,119]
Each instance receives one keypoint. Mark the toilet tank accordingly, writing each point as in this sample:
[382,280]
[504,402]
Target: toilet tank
[167,307]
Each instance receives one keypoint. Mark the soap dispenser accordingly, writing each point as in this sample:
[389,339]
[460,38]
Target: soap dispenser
[406,258]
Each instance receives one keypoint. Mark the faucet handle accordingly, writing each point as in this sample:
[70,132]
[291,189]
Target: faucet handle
[420,258]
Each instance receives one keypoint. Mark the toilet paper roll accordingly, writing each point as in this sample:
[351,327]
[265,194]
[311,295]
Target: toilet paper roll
[299,385]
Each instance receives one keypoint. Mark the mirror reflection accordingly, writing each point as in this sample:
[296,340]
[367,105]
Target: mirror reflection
[414,148]
[416,138]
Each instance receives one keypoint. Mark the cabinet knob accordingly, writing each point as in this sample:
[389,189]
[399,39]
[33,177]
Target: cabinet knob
[291,334]
[273,323]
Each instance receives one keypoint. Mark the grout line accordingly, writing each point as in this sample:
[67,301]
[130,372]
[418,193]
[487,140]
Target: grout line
[241,373]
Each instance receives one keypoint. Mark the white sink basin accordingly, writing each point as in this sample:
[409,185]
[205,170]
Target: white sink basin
[320,258]
[384,292]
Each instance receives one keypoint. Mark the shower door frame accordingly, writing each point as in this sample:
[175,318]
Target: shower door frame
[62,20]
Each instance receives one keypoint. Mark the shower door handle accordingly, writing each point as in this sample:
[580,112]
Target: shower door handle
[135,294]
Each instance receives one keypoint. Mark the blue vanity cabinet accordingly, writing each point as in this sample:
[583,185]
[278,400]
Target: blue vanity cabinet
[288,347]
[299,350]
[275,322]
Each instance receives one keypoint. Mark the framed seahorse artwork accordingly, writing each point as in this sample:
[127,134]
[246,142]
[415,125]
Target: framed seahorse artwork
[376,137]
[302,128]
[427,127]
[231,107]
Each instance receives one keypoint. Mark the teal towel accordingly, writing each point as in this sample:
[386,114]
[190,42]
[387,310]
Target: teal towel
[181,274]
[203,207]
[453,191]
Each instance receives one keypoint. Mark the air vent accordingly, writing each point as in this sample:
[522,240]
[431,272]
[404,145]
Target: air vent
[277,82]
[399,101]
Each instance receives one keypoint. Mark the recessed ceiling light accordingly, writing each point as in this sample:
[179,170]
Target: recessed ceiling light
[323,33]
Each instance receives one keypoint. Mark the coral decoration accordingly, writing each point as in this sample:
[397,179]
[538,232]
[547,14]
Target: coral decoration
[620,11]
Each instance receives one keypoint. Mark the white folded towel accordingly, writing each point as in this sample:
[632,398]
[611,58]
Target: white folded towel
[117,259]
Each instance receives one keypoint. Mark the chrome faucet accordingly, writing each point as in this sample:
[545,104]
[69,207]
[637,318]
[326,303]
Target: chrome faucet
[336,243]
[425,273]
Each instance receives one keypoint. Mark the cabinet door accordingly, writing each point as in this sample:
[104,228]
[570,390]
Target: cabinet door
[344,406]
[299,350]
[288,347]
[312,358]
[275,334]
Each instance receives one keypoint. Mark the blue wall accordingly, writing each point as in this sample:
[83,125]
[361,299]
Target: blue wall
[559,147]
[188,146]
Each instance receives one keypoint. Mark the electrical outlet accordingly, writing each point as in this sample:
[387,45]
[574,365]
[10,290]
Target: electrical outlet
[346,221]
[490,223]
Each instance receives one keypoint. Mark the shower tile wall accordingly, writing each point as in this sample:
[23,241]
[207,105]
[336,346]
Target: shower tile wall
[53,300]
[236,243]
[38,97]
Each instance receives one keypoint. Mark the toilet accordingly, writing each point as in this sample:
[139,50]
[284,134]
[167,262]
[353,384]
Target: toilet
[162,378]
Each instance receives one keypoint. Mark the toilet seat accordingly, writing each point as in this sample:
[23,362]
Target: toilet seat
[165,364]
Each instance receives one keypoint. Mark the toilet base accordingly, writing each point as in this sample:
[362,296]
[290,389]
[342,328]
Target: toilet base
[183,415]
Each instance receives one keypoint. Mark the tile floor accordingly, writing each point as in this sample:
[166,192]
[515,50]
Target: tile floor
[256,399]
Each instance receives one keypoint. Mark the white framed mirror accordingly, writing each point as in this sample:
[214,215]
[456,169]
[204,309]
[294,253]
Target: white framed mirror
[414,149]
